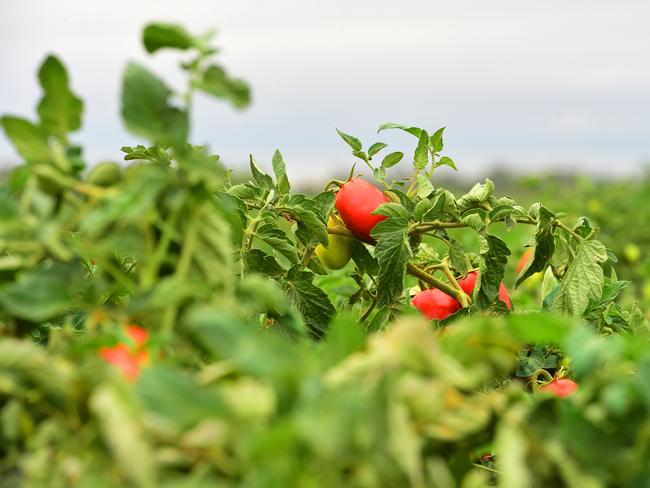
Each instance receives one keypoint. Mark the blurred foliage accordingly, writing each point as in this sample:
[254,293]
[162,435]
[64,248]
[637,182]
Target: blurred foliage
[258,368]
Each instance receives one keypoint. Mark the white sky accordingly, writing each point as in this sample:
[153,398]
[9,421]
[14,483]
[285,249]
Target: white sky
[527,83]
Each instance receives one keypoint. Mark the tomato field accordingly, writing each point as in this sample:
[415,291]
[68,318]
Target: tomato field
[168,322]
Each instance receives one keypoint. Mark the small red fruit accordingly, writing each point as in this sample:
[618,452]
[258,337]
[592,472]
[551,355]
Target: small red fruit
[129,359]
[525,257]
[137,334]
[355,202]
[121,356]
[435,304]
[561,387]
[469,282]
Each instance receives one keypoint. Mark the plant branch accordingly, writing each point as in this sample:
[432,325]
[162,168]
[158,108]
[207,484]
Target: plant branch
[458,294]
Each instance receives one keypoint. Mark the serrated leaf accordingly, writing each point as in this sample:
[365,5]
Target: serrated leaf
[351,141]
[416,131]
[392,252]
[363,259]
[421,156]
[215,81]
[59,109]
[493,259]
[425,187]
[375,148]
[161,35]
[259,262]
[583,280]
[278,240]
[146,110]
[436,144]
[310,300]
[391,209]
[311,221]
[458,257]
[29,139]
[444,208]
[279,168]
[545,245]
[421,208]
[392,159]
[260,177]
[479,193]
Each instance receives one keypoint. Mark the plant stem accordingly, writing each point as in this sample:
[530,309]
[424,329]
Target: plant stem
[565,227]
[458,294]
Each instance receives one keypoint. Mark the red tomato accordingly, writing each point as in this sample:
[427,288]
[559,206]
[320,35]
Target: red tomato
[435,304]
[128,359]
[561,387]
[121,356]
[525,257]
[137,334]
[469,282]
[355,201]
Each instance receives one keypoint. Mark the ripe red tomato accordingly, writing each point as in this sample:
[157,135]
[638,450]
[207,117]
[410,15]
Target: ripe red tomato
[435,304]
[525,257]
[469,282]
[561,387]
[355,202]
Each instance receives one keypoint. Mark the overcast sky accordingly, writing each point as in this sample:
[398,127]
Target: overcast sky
[525,83]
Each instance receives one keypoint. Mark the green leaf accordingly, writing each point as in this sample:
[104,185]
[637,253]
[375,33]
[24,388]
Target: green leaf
[436,144]
[458,257]
[391,209]
[421,208]
[421,156]
[260,176]
[279,168]
[59,109]
[344,337]
[583,280]
[545,245]
[310,300]
[494,256]
[124,434]
[279,241]
[41,294]
[416,131]
[392,159]
[375,148]
[215,81]
[446,161]
[260,262]
[29,140]
[479,193]
[311,221]
[351,141]
[161,35]
[425,188]
[146,110]
[392,251]
[363,259]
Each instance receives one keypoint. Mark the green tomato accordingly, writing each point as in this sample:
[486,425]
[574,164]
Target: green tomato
[339,251]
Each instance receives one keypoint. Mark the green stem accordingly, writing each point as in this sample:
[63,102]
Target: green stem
[458,294]
[565,227]
[369,310]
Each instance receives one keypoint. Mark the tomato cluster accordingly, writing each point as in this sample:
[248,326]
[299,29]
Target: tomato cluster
[436,304]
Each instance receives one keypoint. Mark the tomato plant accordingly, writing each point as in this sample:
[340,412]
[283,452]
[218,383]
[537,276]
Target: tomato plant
[251,364]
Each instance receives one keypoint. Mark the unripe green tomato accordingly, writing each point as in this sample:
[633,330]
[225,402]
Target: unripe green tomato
[105,174]
[339,252]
